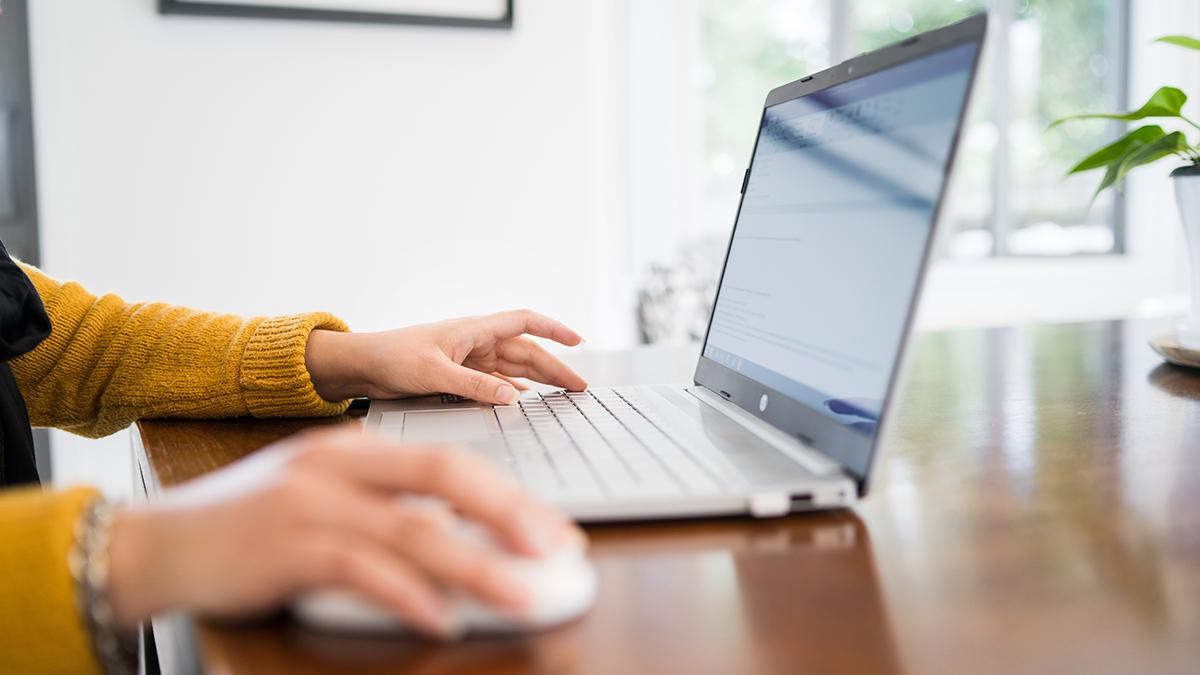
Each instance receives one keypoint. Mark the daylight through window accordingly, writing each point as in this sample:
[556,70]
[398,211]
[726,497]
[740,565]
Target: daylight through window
[1045,59]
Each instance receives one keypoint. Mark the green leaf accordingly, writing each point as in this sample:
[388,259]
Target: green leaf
[1111,153]
[1180,41]
[1114,170]
[1173,143]
[1139,153]
[1166,102]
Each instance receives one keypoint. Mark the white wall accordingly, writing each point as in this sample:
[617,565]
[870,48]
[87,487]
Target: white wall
[388,174]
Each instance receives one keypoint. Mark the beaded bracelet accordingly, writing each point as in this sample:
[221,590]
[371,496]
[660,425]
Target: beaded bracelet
[88,562]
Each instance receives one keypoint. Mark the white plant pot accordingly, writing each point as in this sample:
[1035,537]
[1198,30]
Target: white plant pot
[1187,196]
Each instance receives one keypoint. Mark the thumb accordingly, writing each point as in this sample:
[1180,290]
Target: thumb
[479,386]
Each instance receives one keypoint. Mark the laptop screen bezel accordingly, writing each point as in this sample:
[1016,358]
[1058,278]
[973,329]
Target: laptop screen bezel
[854,450]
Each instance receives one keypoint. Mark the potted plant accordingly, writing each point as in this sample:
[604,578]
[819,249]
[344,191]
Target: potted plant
[1150,143]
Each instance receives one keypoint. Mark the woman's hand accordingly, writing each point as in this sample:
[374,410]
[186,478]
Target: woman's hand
[320,510]
[472,357]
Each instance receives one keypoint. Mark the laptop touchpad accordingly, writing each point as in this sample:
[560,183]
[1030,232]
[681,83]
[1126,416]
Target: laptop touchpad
[433,426]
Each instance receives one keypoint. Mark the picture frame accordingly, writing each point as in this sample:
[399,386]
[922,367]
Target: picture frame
[496,14]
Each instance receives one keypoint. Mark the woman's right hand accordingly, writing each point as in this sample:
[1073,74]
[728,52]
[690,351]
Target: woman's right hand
[320,510]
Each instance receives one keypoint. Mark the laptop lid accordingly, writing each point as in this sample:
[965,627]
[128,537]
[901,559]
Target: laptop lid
[832,237]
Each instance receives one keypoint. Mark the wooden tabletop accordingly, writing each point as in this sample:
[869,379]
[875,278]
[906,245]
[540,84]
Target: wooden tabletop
[1037,511]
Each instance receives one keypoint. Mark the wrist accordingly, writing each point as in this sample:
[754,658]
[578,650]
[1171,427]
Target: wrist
[135,590]
[334,361]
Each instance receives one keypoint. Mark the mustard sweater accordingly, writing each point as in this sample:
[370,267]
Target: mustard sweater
[107,363]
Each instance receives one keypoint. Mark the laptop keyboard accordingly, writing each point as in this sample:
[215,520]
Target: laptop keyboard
[597,444]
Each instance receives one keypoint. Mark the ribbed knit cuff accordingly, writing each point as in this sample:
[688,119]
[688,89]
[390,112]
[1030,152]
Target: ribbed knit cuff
[274,379]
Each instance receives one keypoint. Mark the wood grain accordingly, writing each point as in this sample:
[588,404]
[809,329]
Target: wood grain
[181,449]
[1037,511]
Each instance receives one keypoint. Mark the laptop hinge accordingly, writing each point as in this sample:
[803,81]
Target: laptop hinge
[808,457]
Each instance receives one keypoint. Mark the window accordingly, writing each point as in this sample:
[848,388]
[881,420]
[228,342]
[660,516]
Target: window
[1045,59]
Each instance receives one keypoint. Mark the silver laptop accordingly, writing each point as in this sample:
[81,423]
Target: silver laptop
[804,348]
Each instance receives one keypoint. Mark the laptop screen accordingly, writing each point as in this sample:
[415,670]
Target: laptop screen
[829,242]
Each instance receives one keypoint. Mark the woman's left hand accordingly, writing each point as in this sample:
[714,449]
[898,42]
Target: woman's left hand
[473,357]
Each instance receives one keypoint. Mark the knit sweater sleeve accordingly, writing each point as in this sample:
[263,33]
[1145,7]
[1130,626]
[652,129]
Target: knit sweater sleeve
[108,362]
[40,632]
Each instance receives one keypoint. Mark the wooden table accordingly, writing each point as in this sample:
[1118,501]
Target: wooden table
[1037,511]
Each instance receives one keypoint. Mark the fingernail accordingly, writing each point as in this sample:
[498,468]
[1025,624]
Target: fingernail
[508,395]
[582,341]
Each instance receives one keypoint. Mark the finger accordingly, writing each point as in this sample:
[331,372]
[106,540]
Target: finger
[524,321]
[517,384]
[380,575]
[432,543]
[467,482]
[542,366]
[476,385]
[424,536]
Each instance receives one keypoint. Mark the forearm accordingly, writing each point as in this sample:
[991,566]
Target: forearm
[108,362]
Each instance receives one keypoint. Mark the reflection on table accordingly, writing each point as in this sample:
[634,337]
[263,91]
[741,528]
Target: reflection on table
[722,596]
[1039,507]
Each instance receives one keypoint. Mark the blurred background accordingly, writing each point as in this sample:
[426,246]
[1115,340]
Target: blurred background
[584,163]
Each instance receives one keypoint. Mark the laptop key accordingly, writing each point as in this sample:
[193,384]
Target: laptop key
[575,475]
[594,444]
[534,472]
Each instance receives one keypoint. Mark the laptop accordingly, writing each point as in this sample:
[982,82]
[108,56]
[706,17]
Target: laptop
[799,368]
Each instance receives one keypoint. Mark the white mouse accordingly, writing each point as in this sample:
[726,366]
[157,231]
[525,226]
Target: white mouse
[563,586]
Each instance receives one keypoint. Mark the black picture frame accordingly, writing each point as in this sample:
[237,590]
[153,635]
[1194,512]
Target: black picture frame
[309,14]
